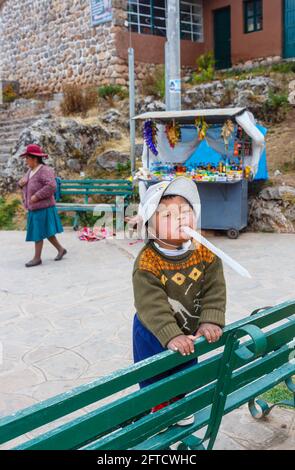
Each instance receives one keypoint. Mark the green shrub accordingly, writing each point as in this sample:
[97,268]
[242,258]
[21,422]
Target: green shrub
[240,74]
[9,94]
[108,92]
[8,211]
[275,109]
[122,167]
[284,67]
[154,83]
[205,68]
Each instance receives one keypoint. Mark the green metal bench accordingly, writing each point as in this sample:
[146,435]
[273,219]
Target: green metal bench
[252,356]
[120,191]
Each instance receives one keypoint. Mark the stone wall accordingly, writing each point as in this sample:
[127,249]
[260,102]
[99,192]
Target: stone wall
[54,43]
[46,43]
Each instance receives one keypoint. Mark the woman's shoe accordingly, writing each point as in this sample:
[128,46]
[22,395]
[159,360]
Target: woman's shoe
[33,263]
[60,255]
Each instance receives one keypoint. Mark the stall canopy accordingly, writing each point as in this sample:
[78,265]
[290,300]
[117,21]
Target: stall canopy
[193,151]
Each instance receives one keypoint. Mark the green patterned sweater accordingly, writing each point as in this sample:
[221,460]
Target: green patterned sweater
[173,295]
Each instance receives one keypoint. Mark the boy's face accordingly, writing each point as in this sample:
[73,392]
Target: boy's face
[172,215]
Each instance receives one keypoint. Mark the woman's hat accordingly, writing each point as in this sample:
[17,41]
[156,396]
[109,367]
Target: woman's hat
[35,151]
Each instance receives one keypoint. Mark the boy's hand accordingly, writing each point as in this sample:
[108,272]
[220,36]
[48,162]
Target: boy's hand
[211,332]
[182,343]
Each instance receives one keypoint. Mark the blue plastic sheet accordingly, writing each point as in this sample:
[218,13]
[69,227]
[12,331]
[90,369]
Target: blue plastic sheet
[212,150]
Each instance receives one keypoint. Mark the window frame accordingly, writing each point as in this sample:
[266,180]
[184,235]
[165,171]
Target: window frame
[255,16]
[188,27]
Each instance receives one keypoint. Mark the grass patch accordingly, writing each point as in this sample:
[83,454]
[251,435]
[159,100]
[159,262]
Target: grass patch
[154,83]
[108,93]
[275,109]
[8,213]
[205,69]
[278,393]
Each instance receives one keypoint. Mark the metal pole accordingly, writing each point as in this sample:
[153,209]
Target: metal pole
[173,36]
[167,76]
[131,107]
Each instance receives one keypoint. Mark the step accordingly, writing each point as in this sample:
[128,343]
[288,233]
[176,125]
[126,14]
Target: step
[15,124]
[6,143]
[4,158]
[25,118]
[15,129]
[7,140]
[4,146]
[9,135]
[22,121]
[5,155]
[14,132]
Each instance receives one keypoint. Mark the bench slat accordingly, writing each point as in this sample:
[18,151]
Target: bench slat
[234,400]
[84,208]
[72,435]
[49,410]
[137,433]
[104,181]
[284,332]
[94,192]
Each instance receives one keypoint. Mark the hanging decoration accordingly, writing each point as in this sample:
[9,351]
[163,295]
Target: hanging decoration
[226,132]
[173,133]
[202,127]
[150,136]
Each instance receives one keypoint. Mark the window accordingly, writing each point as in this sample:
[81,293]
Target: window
[253,13]
[149,17]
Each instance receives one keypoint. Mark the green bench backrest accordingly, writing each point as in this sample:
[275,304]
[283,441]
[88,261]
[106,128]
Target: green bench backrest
[109,426]
[94,187]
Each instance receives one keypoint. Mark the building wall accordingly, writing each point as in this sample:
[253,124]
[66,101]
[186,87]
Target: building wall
[149,52]
[150,49]
[265,43]
[46,43]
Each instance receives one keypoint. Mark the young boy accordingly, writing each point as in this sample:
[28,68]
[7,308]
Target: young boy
[179,286]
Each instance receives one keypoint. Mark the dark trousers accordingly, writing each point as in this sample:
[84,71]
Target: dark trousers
[145,345]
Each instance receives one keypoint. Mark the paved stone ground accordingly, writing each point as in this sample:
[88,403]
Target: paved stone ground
[67,323]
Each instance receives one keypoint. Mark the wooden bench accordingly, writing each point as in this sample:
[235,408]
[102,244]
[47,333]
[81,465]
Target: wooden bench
[120,192]
[252,356]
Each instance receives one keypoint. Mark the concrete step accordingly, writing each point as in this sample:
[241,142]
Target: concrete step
[16,131]
[15,125]
[36,115]
[21,121]
[7,140]
[6,154]
[4,157]
[9,135]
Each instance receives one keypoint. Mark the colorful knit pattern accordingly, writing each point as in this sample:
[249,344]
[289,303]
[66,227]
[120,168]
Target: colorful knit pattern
[153,262]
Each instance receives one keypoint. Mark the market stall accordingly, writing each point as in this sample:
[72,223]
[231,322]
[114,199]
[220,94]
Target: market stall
[220,149]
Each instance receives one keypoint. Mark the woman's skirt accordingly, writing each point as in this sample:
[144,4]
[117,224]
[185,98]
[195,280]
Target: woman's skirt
[43,223]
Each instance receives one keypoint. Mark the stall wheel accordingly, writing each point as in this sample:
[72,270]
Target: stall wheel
[232,233]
